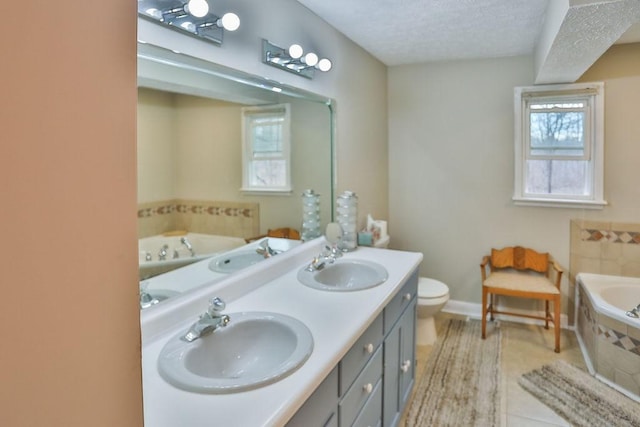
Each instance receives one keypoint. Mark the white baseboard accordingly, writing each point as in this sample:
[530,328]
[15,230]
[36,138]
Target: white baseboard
[474,311]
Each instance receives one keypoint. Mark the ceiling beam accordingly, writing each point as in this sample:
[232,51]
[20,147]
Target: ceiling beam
[576,33]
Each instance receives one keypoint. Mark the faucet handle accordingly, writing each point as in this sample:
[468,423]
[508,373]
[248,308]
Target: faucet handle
[216,305]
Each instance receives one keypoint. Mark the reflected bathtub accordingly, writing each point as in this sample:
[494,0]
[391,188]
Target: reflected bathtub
[177,253]
[609,339]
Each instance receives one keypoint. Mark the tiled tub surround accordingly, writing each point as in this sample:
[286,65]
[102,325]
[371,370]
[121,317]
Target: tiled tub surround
[604,248]
[223,218]
[610,341]
[335,319]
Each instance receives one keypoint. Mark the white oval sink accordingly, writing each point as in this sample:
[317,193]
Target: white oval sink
[229,263]
[345,275]
[253,350]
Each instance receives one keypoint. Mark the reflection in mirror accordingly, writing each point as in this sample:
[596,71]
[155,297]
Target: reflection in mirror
[191,205]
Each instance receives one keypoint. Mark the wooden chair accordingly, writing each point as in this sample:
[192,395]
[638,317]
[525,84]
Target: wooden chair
[521,272]
[285,233]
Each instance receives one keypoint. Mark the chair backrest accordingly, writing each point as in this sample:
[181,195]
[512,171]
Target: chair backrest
[520,258]
[286,233]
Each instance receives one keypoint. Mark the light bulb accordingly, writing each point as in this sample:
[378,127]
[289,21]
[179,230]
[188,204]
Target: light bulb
[230,21]
[324,64]
[311,59]
[197,8]
[295,51]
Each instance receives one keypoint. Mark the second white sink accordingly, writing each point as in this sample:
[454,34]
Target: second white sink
[345,275]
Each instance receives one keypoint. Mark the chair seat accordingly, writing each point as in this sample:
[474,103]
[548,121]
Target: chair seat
[520,282]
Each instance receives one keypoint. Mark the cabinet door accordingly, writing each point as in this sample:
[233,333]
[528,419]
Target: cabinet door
[391,379]
[399,369]
[321,408]
[407,353]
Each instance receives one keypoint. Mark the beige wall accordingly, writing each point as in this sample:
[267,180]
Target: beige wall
[357,82]
[451,164]
[69,309]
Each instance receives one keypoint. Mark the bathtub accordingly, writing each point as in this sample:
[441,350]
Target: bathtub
[178,255]
[609,339]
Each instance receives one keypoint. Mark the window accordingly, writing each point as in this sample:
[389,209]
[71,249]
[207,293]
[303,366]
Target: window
[559,145]
[266,162]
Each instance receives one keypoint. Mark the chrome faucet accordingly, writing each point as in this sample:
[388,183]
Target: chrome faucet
[146,299]
[634,312]
[265,250]
[162,254]
[329,255]
[209,321]
[188,245]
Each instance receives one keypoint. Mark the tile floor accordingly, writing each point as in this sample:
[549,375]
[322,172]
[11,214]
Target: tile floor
[524,347]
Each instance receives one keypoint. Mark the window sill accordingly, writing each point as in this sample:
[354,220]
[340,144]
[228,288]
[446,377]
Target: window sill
[266,192]
[560,203]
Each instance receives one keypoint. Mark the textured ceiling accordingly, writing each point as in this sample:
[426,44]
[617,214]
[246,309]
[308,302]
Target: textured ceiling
[414,31]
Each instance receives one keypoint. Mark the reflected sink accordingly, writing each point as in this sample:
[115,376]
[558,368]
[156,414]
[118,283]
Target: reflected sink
[345,275]
[229,263]
[253,350]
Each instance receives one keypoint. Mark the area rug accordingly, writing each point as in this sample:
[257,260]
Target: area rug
[579,397]
[460,385]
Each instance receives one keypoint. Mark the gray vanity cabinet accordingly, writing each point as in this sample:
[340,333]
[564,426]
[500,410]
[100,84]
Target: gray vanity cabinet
[371,384]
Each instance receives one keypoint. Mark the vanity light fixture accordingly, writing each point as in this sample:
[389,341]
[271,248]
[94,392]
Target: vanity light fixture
[192,17]
[294,59]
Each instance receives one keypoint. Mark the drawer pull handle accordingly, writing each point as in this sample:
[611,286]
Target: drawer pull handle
[407,296]
[368,388]
[368,348]
[405,366]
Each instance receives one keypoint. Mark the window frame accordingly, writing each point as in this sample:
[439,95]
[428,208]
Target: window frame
[247,148]
[593,93]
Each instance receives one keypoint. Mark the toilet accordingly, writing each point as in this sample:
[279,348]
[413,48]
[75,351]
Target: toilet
[432,296]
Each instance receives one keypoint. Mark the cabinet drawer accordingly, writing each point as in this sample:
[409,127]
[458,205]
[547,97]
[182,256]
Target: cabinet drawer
[321,407]
[371,414]
[359,354]
[400,301]
[361,390]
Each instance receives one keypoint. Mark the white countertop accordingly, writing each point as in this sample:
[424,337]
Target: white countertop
[335,319]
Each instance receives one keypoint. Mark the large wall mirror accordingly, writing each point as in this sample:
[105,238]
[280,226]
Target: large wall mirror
[191,204]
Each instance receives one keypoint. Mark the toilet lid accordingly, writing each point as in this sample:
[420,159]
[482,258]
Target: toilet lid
[430,288]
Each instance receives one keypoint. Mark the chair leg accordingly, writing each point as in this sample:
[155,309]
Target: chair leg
[492,301]
[556,322]
[484,312]
[546,314]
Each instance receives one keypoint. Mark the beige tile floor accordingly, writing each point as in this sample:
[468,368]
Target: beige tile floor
[524,347]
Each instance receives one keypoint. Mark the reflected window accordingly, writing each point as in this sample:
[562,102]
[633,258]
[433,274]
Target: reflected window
[266,154]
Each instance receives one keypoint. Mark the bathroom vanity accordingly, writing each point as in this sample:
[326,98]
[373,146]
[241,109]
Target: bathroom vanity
[360,371]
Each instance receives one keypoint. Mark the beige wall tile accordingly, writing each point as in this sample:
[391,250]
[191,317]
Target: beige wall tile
[611,251]
[634,332]
[614,324]
[626,226]
[627,381]
[610,267]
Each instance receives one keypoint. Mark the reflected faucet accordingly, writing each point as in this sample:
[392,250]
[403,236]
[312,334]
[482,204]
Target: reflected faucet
[146,299]
[162,254]
[265,250]
[187,244]
[208,322]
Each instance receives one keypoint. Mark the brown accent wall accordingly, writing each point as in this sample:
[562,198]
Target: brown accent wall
[69,316]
